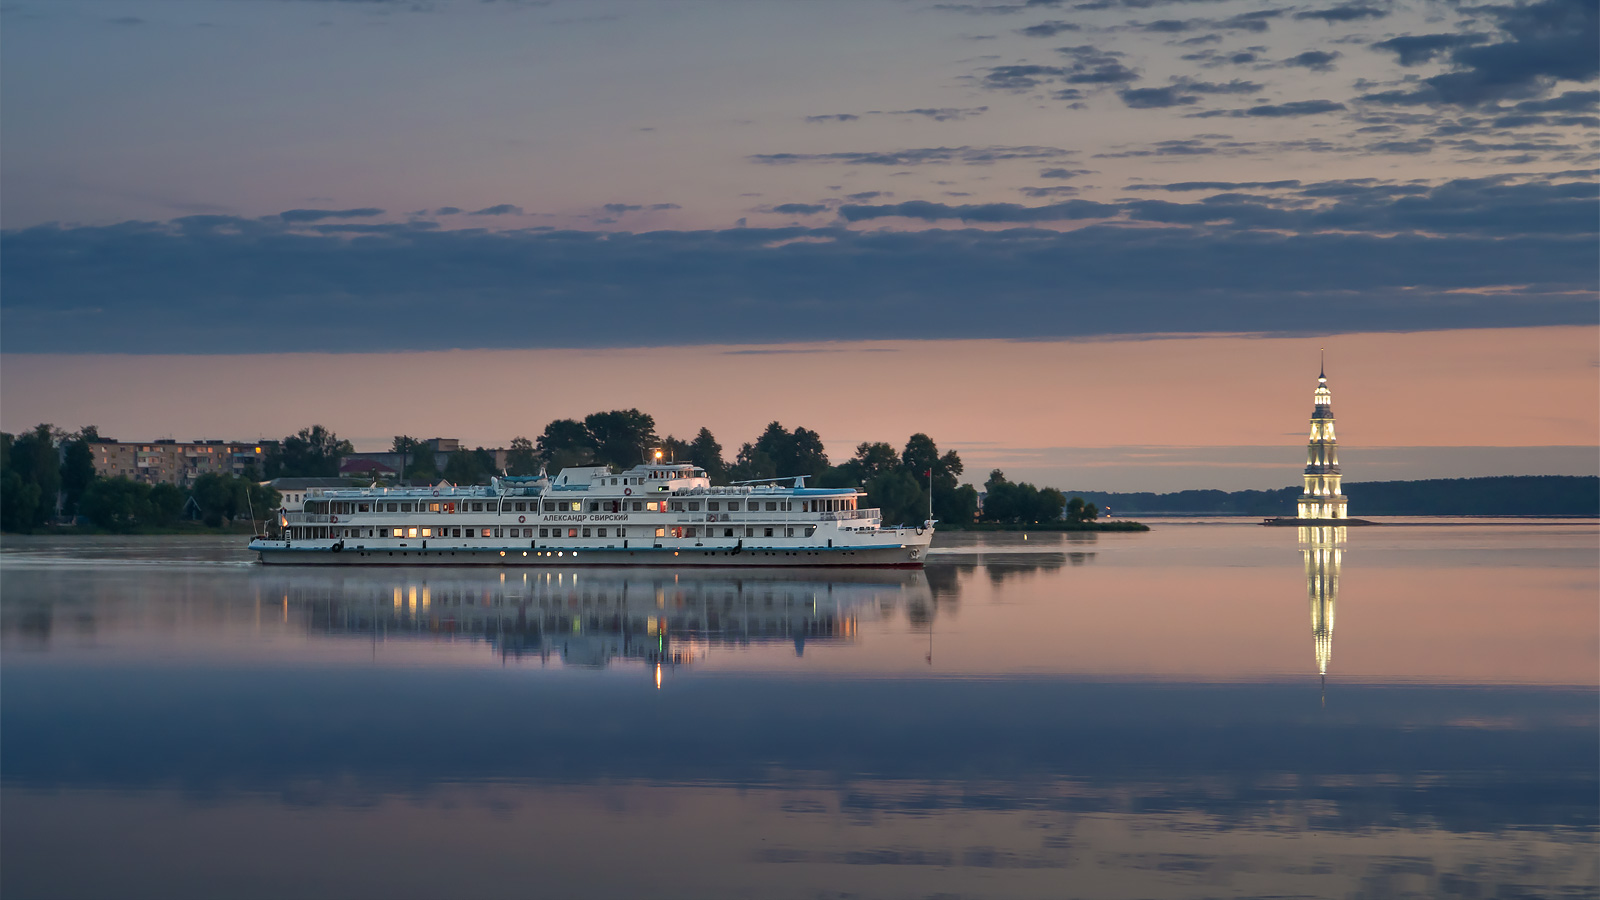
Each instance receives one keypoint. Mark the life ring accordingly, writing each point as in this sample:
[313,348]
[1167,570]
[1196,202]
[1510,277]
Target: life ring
[628,492]
[333,518]
[436,492]
[522,518]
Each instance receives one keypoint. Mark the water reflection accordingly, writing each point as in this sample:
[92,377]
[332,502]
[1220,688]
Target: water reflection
[592,618]
[1324,555]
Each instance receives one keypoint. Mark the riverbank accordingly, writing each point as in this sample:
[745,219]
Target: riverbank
[196,528]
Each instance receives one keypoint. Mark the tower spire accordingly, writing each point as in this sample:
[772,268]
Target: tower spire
[1322,498]
[1322,368]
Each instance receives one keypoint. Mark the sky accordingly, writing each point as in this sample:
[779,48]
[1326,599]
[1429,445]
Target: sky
[1098,243]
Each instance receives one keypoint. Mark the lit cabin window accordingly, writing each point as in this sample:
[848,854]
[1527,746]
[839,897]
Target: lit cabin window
[399,532]
[411,532]
[661,532]
[486,532]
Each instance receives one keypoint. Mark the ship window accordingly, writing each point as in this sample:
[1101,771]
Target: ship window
[486,532]
[393,507]
[586,532]
[577,506]
[365,507]
[810,530]
[733,506]
[622,532]
[544,532]
[522,507]
[713,506]
[399,532]
[694,506]
[637,506]
[613,481]
[411,532]
[594,506]
[661,532]
[772,506]
[677,506]
[689,532]
[727,532]
[427,532]
[602,532]
[749,532]
[433,507]
[768,532]
[572,532]
[516,532]
[549,506]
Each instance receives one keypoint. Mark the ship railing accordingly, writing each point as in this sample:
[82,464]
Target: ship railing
[843,514]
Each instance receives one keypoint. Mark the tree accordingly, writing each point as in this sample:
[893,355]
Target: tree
[117,504]
[797,453]
[166,503]
[872,460]
[470,467]
[899,498]
[921,456]
[565,443]
[77,470]
[620,437]
[1080,510]
[34,458]
[673,449]
[1007,502]
[705,452]
[751,464]
[522,460]
[309,453]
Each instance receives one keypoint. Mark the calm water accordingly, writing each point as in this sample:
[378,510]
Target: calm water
[1115,715]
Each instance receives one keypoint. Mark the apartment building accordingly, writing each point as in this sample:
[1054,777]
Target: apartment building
[174,462]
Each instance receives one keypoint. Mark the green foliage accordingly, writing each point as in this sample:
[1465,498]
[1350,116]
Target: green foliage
[899,498]
[673,449]
[1499,495]
[1024,503]
[470,467]
[621,437]
[522,459]
[167,502]
[77,470]
[1078,510]
[565,443]
[309,453]
[779,452]
[705,452]
[32,457]
[117,504]
[225,498]
[19,498]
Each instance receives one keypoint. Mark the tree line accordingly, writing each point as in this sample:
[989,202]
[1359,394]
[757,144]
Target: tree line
[47,473]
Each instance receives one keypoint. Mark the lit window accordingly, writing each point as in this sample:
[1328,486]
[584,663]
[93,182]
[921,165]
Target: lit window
[661,532]
[486,532]
[410,532]
[427,532]
[572,532]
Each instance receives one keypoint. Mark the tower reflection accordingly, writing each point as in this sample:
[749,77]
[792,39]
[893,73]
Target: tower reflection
[1321,547]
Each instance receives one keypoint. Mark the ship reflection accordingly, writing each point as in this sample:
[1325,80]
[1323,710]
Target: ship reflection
[594,618]
[1323,553]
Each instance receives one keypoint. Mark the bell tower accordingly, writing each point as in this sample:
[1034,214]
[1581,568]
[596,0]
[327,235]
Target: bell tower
[1322,498]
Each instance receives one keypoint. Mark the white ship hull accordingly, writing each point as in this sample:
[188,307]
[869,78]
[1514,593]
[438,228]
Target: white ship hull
[909,554]
[652,515]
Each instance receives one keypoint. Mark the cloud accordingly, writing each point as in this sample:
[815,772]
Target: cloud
[314,215]
[1315,60]
[1064,173]
[1420,48]
[620,208]
[447,211]
[939,114]
[800,209]
[1546,42]
[1347,13]
[1048,29]
[1236,261]
[1295,108]
[501,209]
[1213,185]
[834,117]
[916,156]
[1182,92]
[1255,22]
[981,212]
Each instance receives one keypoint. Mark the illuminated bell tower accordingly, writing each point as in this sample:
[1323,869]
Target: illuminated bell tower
[1322,499]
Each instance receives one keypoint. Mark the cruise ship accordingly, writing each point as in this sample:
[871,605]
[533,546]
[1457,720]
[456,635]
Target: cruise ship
[654,514]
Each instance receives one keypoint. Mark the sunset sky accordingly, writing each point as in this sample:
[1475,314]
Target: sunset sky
[1098,244]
